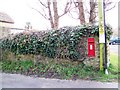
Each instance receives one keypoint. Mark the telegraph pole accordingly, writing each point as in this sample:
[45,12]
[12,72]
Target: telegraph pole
[105,47]
[102,36]
[101,33]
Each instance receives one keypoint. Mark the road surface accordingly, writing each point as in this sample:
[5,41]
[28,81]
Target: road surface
[114,49]
[21,81]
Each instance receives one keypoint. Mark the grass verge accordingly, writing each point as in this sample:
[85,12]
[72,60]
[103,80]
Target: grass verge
[114,59]
[60,71]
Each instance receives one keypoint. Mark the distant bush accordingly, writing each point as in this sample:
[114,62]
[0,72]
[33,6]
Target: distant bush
[66,42]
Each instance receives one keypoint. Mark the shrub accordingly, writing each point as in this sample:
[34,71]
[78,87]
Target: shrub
[66,42]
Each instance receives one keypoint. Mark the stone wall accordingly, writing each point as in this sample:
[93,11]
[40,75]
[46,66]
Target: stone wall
[94,61]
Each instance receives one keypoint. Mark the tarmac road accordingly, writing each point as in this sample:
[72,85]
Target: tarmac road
[114,49]
[21,81]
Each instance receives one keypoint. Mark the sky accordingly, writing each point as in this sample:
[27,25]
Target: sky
[20,11]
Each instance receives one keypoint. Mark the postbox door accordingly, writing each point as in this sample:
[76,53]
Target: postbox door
[91,47]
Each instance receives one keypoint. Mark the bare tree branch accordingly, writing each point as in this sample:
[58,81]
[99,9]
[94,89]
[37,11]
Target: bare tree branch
[41,13]
[94,17]
[42,4]
[75,11]
[108,2]
[66,9]
[75,3]
[44,12]
[111,7]
[72,16]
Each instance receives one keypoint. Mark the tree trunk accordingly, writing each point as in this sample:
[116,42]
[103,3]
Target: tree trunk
[56,17]
[92,12]
[50,14]
[81,12]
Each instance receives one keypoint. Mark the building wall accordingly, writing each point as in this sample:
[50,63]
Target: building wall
[4,29]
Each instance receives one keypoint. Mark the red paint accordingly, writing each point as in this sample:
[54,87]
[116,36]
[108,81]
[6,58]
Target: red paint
[91,47]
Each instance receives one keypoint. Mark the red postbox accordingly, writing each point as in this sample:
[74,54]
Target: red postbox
[91,47]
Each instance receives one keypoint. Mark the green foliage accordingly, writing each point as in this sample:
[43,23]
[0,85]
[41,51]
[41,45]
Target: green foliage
[61,71]
[66,42]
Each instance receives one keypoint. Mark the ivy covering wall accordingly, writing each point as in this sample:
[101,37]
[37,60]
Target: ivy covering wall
[66,42]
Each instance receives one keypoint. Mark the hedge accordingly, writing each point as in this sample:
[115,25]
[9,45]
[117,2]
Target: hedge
[66,42]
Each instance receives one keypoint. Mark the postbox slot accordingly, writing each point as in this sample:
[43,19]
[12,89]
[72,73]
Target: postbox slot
[91,47]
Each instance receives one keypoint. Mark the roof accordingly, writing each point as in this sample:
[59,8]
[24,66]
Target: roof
[5,18]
